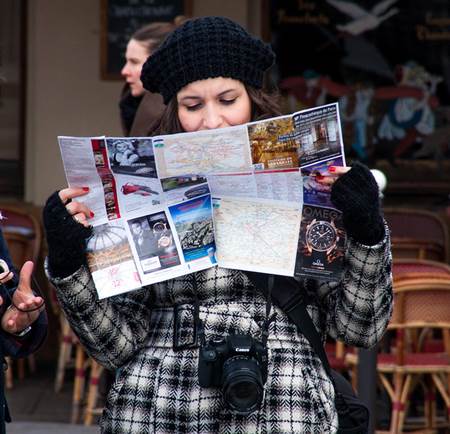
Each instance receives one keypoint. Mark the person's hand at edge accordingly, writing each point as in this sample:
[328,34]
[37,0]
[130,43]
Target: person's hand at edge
[26,307]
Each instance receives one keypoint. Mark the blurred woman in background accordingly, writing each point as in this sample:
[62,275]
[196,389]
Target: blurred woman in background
[138,107]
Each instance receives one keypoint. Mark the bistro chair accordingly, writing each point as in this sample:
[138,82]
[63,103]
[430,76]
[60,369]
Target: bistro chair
[417,234]
[406,269]
[421,303]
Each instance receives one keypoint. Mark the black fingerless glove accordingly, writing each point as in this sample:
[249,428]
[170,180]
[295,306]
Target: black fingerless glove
[66,238]
[356,194]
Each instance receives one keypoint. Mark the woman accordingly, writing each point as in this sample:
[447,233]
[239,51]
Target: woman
[210,74]
[139,108]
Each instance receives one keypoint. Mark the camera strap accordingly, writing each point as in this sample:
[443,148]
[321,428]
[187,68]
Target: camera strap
[199,338]
[291,298]
[198,332]
[265,328]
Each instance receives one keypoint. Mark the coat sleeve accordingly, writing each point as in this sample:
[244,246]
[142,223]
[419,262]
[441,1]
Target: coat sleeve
[17,347]
[112,330]
[359,307]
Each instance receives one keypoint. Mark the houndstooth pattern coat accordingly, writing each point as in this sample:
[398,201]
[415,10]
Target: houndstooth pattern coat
[156,389]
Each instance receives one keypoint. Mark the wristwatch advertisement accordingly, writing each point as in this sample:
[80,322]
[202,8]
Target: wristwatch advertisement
[321,243]
[321,236]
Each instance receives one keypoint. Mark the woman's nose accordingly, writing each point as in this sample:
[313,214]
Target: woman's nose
[212,119]
[124,71]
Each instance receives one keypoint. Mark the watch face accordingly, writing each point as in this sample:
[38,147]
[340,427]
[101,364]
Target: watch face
[159,227]
[165,241]
[321,236]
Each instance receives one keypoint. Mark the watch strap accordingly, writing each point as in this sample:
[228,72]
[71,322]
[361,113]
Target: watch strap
[22,333]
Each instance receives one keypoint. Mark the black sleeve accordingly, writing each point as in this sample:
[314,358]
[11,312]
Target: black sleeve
[66,238]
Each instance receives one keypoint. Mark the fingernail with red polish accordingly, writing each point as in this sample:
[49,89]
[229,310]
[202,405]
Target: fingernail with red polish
[332,169]
[91,214]
[85,188]
[319,177]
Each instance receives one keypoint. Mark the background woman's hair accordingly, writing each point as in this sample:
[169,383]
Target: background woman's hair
[264,105]
[152,35]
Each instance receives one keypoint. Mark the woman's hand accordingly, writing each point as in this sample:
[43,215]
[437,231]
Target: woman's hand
[355,192]
[29,306]
[67,228]
[80,212]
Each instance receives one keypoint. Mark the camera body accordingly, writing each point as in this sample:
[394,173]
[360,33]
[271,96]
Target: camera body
[237,364]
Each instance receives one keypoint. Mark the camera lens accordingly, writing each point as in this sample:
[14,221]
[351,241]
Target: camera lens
[242,384]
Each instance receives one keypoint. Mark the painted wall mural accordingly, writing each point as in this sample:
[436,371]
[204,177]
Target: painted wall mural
[388,64]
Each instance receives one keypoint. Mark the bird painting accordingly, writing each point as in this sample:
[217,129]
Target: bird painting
[363,20]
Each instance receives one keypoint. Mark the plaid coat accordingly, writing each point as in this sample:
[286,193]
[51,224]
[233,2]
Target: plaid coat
[157,390]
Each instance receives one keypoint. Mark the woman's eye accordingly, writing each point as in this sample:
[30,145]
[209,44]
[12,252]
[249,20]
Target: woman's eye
[228,101]
[193,108]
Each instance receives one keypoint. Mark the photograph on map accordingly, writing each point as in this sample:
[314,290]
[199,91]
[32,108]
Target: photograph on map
[194,224]
[315,192]
[131,156]
[185,187]
[154,242]
[319,134]
[274,144]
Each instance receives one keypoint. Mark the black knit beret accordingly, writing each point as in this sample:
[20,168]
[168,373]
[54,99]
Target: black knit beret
[206,47]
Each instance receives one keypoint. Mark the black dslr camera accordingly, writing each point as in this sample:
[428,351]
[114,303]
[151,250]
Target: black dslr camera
[237,364]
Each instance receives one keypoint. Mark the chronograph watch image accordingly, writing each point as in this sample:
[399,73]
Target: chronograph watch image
[321,236]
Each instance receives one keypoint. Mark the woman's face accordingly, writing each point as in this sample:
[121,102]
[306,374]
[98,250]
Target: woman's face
[121,147]
[135,57]
[213,103]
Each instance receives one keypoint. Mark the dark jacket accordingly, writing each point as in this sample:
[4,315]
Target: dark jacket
[11,345]
[139,114]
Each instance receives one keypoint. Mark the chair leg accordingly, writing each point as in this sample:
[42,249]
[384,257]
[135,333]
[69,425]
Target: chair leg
[403,399]
[444,390]
[21,369]
[430,404]
[397,405]
[96,371]
[354,379]
[78,387]
[31,363]
[65,348]
[21,364]
[9,382]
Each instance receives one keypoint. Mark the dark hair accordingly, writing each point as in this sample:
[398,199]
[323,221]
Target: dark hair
[152,35]
[264,105]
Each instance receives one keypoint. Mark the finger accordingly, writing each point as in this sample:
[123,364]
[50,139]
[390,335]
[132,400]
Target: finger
[1,300]
[334,172]
[75,208]
[25,278]
[71,192]
[6,274]
[32,303]
[325,180]
[6,277]
[338,170]
[81,218]
[12,324]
